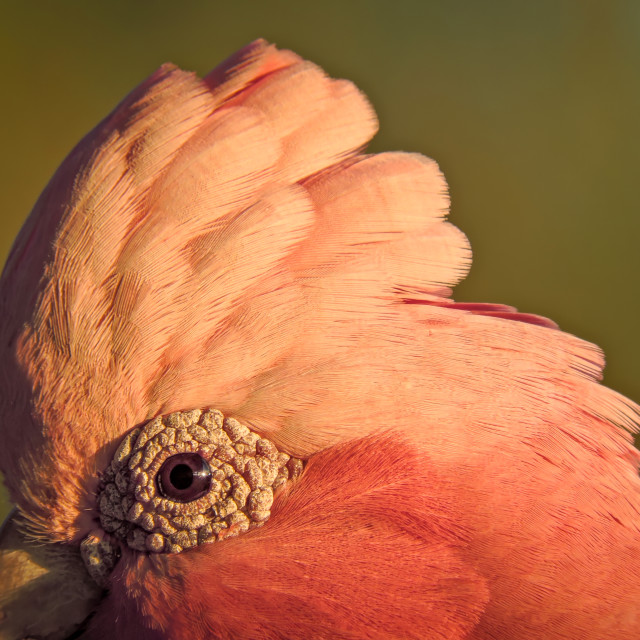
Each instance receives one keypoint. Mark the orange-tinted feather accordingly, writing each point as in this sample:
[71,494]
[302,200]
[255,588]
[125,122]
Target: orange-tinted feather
[226,243]
[356,550]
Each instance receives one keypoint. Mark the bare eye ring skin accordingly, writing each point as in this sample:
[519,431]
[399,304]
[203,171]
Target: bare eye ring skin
[181,480]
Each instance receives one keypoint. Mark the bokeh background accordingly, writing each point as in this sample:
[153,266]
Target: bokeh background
[531,109]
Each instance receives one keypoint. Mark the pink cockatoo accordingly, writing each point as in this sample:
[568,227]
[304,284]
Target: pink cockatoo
[239,402]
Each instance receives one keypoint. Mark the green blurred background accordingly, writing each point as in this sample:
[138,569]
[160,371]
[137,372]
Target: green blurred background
[531,109]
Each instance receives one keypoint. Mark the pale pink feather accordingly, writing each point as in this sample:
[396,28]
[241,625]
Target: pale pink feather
[226,243]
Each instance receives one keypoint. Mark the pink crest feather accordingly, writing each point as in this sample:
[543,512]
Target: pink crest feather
[225,242]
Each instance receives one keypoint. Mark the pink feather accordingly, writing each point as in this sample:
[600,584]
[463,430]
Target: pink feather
[225,242]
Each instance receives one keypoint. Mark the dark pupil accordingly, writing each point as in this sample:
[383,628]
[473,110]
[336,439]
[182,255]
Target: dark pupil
[184,477]
[181,476]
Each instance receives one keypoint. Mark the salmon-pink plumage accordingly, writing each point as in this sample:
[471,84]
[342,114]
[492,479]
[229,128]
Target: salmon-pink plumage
[226,243]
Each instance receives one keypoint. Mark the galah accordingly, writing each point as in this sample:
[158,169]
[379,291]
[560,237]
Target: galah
[239,402]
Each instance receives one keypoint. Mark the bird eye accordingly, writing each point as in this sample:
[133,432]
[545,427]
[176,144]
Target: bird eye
[184,477]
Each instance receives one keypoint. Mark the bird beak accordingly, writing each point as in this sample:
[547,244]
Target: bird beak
[45,590]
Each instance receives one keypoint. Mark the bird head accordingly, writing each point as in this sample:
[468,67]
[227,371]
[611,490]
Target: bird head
[239,402]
